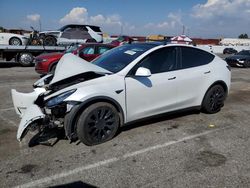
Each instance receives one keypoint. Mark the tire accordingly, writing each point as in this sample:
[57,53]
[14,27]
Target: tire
[98,123]
[214,99]
[15,41]
[49,41]
[247,64]
[26,59]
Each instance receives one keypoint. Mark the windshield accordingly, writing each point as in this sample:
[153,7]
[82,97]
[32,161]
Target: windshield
[72,48]
[120,39]
[244,52]
[118,58]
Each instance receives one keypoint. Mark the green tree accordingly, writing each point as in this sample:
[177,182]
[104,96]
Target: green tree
[243,36]
[1,29]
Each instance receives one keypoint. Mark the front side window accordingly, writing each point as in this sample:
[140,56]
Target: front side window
[192,57]
[162,60]
[88,50]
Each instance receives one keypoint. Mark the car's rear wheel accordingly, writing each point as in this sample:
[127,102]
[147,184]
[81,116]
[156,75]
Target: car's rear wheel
[26,59]
[49,41]
[15,41]
[98,123]
[214,99]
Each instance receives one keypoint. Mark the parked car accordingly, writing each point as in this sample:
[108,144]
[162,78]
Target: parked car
[131,82]
[47,62]
[241,59]
[13,39]
[229,51]
[72,33]
[122,40]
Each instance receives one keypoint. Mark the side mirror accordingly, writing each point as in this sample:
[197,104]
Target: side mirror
[143,72]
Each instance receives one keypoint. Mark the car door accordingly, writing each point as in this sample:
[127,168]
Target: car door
[193,76]
[147,96]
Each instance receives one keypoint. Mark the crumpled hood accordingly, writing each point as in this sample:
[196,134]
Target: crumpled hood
[71,65]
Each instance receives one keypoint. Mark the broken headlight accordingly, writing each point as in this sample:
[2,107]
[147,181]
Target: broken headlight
[58,99]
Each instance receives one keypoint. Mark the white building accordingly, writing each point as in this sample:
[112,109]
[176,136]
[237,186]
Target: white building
[235,42]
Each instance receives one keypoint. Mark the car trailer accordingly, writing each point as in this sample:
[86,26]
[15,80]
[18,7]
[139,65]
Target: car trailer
[25,54]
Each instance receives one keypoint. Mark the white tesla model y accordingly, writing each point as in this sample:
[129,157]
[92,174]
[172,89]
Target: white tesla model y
[90,101]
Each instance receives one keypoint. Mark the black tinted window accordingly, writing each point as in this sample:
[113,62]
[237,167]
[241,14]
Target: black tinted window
[192,57]
[244,52]
[162,60]
[95,28]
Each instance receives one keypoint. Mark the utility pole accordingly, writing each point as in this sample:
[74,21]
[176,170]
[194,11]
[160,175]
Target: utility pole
[40,25]
[121,29]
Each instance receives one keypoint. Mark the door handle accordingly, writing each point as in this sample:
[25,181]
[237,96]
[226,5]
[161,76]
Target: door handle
[172,78]
[207,72]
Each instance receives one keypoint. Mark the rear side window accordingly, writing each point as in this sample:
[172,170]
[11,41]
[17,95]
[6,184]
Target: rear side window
[192,57]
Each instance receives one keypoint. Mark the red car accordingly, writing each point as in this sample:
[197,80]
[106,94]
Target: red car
[121,40]
[46,63]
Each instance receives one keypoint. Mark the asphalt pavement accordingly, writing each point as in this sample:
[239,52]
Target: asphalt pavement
[188,149]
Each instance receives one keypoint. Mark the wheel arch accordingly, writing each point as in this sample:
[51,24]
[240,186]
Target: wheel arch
[14,37]
[219,82]
[71,117]
[54,63]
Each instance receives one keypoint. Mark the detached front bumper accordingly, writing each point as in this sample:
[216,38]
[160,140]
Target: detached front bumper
[26,109]
[32,114]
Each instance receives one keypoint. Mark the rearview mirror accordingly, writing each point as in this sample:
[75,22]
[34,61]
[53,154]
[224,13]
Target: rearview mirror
[143,72]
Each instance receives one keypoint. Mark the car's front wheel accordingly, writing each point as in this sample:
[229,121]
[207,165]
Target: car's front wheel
[247,64]
[98,123]
[214,99]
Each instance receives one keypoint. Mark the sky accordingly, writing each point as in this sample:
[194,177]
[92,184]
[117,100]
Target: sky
[200,18]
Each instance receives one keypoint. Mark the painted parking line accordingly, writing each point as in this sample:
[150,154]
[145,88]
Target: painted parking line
[10,122]
[52,178]
[7,109]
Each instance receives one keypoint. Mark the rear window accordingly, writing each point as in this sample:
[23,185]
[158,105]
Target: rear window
[95,28]
[192,57]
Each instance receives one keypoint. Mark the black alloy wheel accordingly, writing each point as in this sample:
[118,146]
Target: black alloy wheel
[98,123]
[214,99]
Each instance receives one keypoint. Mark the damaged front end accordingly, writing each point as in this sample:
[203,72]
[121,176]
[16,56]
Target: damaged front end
[42,109]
